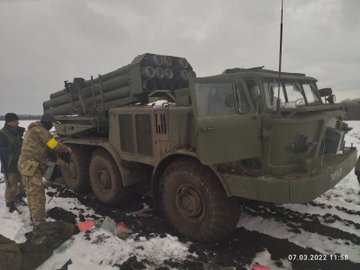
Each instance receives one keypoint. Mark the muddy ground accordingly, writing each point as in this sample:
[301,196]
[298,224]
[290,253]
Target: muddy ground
[236,252]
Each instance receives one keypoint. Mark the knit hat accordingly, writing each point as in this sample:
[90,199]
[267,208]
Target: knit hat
[47,117]
[11,117]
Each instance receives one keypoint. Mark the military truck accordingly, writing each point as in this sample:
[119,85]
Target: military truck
[245,133]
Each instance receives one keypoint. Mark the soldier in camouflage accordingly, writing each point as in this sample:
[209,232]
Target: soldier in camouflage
[38,146]
[10,147]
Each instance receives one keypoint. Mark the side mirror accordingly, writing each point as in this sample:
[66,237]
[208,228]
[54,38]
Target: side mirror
[331,99]
[324,92]
[327,93]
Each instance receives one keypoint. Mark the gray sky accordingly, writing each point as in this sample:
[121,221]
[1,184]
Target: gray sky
[44,42]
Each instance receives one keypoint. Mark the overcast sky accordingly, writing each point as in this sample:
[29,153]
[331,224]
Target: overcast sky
[45,42]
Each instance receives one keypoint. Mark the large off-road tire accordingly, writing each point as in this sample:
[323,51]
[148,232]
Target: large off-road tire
[194,202]
[106,181]
[76,174]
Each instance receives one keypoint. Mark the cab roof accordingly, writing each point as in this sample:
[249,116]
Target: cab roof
[260,73]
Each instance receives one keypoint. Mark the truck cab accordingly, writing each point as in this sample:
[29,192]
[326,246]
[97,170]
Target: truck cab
[262,135]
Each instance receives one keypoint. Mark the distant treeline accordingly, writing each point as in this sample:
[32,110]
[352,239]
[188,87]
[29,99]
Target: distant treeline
[352,108]
[25,116]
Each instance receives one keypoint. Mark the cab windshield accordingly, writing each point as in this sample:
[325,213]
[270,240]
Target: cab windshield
[291,94]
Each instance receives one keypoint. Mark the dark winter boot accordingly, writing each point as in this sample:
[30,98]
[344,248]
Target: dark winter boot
[51,234]
[12,207]
[19,201]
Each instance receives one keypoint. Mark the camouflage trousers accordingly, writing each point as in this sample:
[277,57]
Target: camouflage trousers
[14,187]
[35,193]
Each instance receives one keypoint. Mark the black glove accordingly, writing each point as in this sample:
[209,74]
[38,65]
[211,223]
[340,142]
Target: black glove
[53,156]
[65,157]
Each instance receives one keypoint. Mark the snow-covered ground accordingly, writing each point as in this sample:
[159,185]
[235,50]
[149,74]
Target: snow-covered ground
[329,225]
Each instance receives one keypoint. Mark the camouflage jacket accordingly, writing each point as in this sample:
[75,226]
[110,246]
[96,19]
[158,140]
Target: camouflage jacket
[10,147]
[39,145]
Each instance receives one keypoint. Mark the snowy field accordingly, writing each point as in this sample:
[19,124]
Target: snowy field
[276,236]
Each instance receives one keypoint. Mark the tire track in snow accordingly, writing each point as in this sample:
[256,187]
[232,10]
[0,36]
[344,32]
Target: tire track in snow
[308,222]
[280,249]
[350,212]
[304,239]
[333,218]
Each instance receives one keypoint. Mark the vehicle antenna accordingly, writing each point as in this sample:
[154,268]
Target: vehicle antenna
[280,54]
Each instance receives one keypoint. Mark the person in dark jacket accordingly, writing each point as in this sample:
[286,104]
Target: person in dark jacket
[10,148]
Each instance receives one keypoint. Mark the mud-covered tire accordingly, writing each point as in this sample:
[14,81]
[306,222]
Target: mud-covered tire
[76,174]
[194,202]
[106,181]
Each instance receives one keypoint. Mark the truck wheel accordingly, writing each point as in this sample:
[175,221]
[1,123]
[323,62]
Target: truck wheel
[76,176]
[194,202]
[106,181]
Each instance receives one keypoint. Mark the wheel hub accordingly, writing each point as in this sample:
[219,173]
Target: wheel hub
[104,178]
[189,202]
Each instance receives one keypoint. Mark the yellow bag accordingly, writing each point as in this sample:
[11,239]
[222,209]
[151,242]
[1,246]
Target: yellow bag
[29,168]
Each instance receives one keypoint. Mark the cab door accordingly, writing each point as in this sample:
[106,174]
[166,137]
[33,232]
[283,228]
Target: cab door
[227,127]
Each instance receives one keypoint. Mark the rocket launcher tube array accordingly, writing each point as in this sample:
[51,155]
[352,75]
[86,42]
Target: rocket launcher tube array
[126,85]
[109,85]
[118,93]
[105,77]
